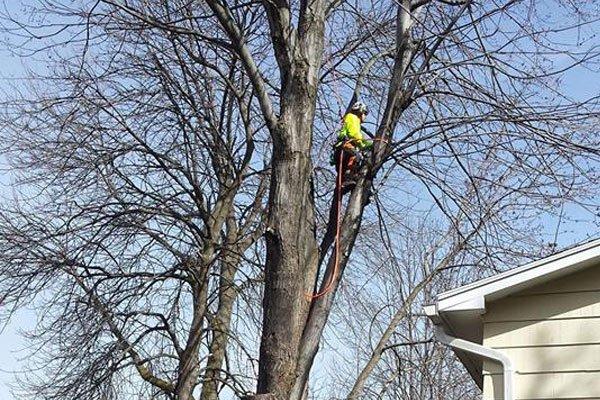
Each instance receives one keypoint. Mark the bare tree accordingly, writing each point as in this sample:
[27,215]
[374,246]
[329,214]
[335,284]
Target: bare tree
[150,202]
[153,141]
[410,364]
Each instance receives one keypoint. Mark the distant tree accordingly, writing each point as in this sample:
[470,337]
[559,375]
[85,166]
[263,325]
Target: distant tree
[172,169]
[147,213]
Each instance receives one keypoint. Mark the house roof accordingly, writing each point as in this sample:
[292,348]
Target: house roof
[460,311]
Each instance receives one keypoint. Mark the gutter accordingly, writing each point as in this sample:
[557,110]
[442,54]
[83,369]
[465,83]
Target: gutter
[483,352]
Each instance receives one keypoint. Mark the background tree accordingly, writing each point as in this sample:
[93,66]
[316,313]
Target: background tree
[149,208]
[147,150]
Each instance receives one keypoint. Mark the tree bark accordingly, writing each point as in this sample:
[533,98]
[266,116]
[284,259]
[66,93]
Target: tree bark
[292,255]
[220,328]
[189,362]
[321,307]
[292,247]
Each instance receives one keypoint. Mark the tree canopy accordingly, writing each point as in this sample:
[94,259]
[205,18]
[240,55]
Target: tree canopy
[174,209]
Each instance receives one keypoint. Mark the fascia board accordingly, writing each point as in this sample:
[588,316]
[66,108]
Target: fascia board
[476,303]
[431,311]
[474,367]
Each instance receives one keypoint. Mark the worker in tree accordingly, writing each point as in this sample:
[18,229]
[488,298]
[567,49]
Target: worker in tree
[348,151]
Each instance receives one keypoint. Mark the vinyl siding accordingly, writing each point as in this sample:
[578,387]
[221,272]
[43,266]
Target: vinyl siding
[552,335]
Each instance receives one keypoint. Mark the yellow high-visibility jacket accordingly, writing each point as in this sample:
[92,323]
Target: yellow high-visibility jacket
[351,130]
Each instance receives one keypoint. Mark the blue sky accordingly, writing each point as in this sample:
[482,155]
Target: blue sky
[579,83]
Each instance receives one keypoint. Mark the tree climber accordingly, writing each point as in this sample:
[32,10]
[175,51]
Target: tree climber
[348,151]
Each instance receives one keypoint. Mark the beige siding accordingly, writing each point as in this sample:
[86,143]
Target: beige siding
[543,333]
[552,335]
[539,307]
[551,359]
[577,385]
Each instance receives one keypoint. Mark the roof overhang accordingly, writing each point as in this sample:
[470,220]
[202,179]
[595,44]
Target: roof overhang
[460,311]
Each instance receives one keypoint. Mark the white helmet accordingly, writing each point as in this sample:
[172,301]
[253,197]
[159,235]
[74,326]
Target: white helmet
[360,107]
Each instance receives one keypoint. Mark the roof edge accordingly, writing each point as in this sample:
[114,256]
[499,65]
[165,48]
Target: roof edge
[472,296]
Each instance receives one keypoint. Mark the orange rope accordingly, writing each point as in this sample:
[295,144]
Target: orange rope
[336,265]
[338,227]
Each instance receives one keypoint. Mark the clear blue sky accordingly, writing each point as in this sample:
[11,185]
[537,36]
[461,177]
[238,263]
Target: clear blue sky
[578,83]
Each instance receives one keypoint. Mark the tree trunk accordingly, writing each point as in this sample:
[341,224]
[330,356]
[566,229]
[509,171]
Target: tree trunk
[222,320]
[291,264]
[189,363]
[321,308]
[292,248]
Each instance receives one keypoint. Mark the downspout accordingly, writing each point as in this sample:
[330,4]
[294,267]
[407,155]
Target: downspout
[482,351]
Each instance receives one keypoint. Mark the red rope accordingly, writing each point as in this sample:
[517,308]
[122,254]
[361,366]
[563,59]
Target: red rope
[336,265]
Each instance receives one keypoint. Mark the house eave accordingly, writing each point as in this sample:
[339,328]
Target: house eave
[460,311]
[475,295]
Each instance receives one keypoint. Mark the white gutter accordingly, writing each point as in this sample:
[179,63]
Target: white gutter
[482,351]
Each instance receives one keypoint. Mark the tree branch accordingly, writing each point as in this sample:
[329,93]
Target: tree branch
[231,28]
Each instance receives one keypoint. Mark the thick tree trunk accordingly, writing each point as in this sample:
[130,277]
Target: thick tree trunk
[292,254]
[292,248]
[321,308]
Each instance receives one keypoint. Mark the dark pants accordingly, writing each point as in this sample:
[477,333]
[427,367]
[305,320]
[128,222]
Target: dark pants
[348,157]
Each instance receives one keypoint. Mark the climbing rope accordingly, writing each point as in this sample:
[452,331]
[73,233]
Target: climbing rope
[338,227]
[336,263]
